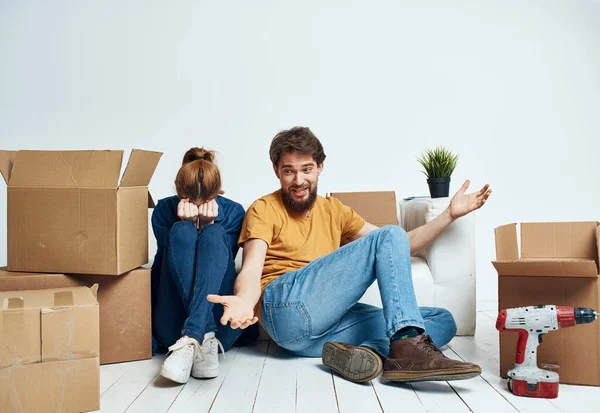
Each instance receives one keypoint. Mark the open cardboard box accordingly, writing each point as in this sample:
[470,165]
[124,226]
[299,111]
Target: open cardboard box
[49,350]
[68,213]
[558,265]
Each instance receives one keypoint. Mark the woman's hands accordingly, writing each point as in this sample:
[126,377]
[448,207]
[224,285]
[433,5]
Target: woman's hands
[201,215]
[207,212]
[186,211]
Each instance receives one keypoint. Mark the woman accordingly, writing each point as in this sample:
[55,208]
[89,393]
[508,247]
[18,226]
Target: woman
[196,233]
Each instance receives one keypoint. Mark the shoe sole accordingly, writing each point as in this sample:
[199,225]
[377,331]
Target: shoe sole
[206,374]
[177,377]
[431,375]
[357,364]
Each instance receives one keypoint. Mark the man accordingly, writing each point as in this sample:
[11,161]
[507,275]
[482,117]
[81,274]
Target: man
[304,288]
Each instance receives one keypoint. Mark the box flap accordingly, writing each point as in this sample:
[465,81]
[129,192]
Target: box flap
[6,163]
[507,248]
[559,240]
[377,208]
[80,169]
[547,267]
[50,298]
[140,168]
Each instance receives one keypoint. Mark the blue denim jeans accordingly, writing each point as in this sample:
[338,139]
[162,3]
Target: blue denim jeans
[194,265]
[305,308]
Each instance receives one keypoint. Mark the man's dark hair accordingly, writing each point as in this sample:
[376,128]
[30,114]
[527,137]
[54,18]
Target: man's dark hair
[296,140]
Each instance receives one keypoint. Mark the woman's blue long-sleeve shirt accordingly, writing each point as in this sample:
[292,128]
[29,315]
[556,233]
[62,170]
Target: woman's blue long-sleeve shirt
[230,217]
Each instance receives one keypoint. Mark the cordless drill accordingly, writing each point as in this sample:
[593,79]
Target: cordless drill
[526,378]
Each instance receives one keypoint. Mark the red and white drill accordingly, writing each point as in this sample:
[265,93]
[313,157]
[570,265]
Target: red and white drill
[526,378]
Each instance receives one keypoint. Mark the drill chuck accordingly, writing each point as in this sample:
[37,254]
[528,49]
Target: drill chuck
[584,315]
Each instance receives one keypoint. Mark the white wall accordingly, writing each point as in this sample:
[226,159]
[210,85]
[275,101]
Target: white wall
[512,86]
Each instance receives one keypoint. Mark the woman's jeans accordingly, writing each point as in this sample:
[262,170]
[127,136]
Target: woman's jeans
[194,265]
[304,309]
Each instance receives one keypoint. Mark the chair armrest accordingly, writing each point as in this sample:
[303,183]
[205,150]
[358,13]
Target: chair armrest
[451,259]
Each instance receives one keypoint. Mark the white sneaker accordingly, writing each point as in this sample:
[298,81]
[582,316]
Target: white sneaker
[178,364]
[206,362]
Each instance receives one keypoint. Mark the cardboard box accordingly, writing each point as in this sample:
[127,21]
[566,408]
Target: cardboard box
[49,350]
[67,213]
[377,208]
[558,265]
[125,317]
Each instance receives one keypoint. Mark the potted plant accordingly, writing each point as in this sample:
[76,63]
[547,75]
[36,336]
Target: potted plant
[439,163]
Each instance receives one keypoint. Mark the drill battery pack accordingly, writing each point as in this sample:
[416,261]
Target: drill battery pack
[546,390]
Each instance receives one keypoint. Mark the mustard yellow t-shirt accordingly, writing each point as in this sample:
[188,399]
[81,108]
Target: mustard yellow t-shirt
[293,240]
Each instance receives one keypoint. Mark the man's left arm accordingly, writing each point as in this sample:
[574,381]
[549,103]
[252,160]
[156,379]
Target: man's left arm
[460,205]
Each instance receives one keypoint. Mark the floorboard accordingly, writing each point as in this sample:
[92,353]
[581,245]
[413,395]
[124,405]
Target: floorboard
[314,389]
[238,392]
[277,391]
[130,385]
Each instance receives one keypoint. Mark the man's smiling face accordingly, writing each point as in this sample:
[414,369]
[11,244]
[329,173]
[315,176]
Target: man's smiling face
[299,176]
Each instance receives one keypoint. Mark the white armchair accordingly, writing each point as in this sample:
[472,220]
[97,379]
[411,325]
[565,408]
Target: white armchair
[444,273]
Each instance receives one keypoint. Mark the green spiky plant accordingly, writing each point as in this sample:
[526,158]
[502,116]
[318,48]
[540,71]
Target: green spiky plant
[438,162]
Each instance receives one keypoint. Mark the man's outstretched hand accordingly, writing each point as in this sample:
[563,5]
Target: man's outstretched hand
[461,204]
[237,310]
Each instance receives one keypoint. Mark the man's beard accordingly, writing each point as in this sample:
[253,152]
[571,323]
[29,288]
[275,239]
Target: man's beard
[299,206]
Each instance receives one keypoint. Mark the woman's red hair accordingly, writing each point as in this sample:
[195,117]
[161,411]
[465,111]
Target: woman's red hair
[198,178]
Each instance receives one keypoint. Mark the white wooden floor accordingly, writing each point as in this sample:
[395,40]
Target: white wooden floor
[265,379]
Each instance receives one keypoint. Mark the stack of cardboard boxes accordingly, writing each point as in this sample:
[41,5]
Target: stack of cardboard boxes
[557,265]
[72,224]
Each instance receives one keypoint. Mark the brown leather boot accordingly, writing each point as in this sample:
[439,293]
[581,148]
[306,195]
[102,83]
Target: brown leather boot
[354,363]
[418,359]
